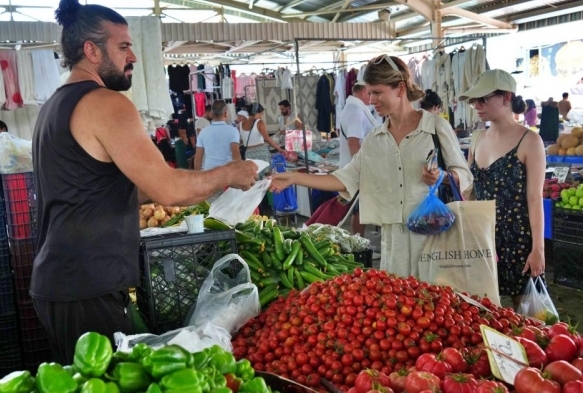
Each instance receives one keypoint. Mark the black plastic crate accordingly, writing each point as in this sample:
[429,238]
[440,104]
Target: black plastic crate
[6,294]
[568,264]
[364,257]
[173,268]
[9,330]
[568,226]
[21,205]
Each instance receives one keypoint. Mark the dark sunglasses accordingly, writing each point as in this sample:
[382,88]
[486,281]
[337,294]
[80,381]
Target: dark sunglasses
[481,100]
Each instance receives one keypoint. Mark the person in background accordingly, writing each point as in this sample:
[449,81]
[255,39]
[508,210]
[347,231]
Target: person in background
[254,136]
[508,164]
[90,184]
[390,169]
[530,116]
[3,127]
[205,120]
[218,143]
[356,121]
[241,115]
[565,106]
[431,102]
[288,118]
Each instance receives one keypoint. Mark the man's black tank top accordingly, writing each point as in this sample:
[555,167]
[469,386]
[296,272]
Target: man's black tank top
[88,221]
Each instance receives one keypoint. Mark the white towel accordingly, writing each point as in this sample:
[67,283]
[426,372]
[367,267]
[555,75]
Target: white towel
[25,76]
[139,94]
[10,75]
[2,91]
[47,76]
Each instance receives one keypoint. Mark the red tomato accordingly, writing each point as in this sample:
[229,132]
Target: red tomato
[573,387]
[486,386]
[418,381]
[433,364]
[371,379]
[398,379]
[537,358]
[530,380]
[459,383]
[561,347]
[578,362]
[563,372]
[478,363]
[455,359]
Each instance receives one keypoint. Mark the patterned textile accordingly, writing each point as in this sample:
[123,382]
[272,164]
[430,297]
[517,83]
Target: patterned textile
[269,95]
[306,87]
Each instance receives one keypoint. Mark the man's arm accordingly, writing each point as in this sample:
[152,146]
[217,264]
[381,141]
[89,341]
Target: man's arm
[105,123]
[198,156]
[235,152]
[353,145]
[143,198]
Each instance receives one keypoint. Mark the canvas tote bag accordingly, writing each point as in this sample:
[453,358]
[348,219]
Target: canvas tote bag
[464,257]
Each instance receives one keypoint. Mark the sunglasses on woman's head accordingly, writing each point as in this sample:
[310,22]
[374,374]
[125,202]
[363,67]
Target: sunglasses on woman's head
[481,100]
[387,58]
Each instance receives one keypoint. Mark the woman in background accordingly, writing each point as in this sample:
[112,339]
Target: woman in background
[530,116]
[431,102]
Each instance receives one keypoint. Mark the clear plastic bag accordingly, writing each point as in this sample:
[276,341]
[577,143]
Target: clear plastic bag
[432,216]
[235,206]
[15,154]
[227,297]
[347,241]
[537,303]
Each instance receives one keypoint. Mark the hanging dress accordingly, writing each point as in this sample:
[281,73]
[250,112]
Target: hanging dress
[505,182]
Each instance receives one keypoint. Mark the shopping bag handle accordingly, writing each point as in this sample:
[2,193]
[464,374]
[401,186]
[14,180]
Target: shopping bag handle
[434,187]
[457,195]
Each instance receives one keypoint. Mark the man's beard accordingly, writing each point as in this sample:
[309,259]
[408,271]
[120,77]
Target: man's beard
[113,78]
[285,112]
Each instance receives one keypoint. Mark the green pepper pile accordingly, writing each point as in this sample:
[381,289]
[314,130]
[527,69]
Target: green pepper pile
[282,259]
[170,369]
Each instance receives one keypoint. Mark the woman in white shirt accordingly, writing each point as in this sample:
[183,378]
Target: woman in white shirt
[255,138]
[389,169]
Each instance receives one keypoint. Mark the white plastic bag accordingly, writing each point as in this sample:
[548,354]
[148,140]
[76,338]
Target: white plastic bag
[537,303]
[227,299]
[15,154]
[235,206]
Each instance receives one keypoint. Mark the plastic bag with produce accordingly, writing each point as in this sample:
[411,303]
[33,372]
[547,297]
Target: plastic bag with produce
[432,216]
[235,206]
[537,303]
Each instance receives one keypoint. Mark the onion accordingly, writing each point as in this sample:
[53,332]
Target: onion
[152,222]
[143,223]
[159,214]
[147,213]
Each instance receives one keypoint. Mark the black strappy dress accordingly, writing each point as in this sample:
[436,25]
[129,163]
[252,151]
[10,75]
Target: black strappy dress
[505,182]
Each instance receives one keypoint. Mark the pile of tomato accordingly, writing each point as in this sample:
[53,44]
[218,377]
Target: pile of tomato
[374,320]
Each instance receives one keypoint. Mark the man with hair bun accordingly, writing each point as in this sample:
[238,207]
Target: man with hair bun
[389,169]
[93,166]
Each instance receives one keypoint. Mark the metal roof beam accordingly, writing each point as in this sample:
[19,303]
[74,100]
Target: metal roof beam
[344,6]
[422,7]
[240,7]
[486,20]
[334,11]
[571,7]
[292,4]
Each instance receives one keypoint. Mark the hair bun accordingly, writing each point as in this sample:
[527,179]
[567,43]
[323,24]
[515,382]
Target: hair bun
[67,12]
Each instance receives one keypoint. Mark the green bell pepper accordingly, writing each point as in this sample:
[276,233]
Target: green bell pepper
[187,380]
[131,377]
[17,382]
[245,370]
[95,385]
[200,359]
[167,360]
[79,379]
[256,385]
[52,378]
[139,352]
[93,353]
[214,377]
[221,390]
[70,369]
[224,362]
[154,388]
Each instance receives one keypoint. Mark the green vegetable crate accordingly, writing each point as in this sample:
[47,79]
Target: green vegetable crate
[172,270]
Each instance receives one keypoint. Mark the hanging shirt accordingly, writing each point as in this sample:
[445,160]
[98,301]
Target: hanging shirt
[193,78]
[227,88]
[325,102]
[340,93]
[200,102]
[286,80]
[209,78]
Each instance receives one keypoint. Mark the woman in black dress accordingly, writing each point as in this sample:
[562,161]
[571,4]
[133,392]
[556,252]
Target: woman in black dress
[508,163]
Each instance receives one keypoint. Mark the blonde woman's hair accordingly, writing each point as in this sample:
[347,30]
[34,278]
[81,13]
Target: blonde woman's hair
[380,71]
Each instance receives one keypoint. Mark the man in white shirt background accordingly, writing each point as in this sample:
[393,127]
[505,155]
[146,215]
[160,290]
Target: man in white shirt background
[217,144]
[205,120]
[288,118]
[356,121]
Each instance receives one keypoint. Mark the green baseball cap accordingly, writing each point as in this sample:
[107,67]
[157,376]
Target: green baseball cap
[488,82]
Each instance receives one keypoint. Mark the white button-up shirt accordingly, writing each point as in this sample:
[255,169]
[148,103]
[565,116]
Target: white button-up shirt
[389,175]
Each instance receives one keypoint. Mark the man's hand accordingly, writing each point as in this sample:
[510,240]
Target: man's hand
[430,178]
[242,174]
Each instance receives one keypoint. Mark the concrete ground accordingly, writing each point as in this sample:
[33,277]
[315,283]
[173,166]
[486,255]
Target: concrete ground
[568,301]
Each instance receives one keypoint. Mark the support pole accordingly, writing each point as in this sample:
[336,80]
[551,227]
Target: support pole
[304,117]
[157,10]
[436,29]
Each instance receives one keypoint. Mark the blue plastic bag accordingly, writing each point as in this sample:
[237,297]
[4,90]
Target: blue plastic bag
[432,216]
[285,201]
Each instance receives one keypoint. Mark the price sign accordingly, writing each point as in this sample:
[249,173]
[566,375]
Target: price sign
[561,173]
[507,356]
[471,301]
